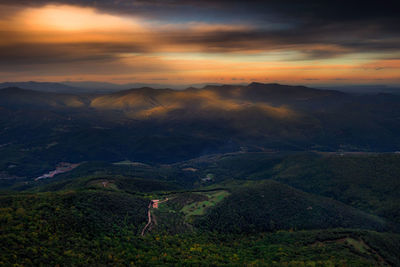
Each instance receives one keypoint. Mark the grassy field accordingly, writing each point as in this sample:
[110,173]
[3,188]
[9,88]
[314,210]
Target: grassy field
[199,208]
[103,183]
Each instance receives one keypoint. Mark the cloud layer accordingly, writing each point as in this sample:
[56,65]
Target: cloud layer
[193,40]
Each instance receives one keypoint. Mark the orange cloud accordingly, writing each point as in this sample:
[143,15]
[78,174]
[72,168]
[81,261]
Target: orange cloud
[72,18]
[58,42]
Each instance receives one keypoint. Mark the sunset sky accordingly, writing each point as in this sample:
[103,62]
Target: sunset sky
[189,41]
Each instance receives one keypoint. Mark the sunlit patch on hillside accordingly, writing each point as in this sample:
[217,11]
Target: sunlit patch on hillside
[74,103]
[279,112]
[137,104]
[155,111]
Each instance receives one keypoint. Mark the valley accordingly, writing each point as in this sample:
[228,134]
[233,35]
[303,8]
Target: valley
[223,175]
[200,133]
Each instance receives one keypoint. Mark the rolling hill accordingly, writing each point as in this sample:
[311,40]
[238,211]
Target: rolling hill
[220,209]
[269,206]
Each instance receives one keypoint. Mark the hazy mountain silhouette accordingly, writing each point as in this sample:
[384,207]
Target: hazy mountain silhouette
[43,87]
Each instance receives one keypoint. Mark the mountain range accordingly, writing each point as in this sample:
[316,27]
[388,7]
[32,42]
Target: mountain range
[107,87]
[90,86]
[298,175]
[153,125]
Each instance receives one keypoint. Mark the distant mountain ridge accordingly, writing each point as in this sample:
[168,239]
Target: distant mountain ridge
[150,101]
[153,125]
[43,87]
[109,87]
[89,87]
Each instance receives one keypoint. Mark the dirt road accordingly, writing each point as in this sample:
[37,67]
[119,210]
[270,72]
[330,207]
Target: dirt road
[149,214]
[149,218]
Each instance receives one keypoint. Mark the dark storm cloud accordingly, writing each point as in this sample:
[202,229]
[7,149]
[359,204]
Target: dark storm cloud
[314,41]
[53,53]
[314,10]
[338,10]
[70,58]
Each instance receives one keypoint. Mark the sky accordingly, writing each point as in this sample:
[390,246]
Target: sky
[200,41]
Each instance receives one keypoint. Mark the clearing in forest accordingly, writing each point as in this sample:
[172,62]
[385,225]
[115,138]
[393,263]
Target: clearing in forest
[199,208]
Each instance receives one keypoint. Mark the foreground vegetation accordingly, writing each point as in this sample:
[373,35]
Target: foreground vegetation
[254,209]
[87,228]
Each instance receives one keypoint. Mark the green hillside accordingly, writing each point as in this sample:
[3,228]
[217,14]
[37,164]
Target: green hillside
[269,206]
[368,182]
[103,228]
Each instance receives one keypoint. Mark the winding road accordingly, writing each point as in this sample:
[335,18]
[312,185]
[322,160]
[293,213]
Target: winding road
[149,214]
[149,219]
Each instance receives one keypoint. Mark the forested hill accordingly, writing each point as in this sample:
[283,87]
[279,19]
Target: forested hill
[274,209]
